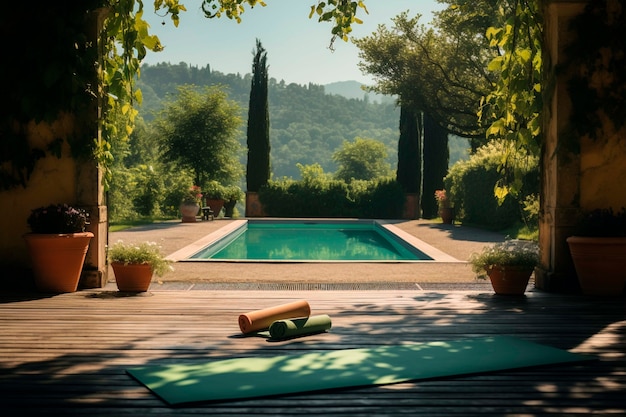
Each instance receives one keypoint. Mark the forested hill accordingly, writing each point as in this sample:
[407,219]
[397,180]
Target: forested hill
[307,125]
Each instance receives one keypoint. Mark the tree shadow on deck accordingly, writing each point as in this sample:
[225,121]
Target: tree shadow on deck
[72,382]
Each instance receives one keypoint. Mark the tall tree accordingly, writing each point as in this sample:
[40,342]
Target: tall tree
[409,172]
[436,158]
[198,132]
[363,159]
[441,71]
[258,134]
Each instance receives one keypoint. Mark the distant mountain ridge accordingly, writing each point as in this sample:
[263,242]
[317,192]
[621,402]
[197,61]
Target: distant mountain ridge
[353,89]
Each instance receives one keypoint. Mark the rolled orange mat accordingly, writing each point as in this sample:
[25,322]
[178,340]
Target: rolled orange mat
[261,319]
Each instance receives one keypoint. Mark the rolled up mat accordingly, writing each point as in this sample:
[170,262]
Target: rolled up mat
[284,329]
[261,319]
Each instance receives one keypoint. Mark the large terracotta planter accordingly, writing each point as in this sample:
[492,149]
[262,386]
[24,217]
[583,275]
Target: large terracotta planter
[216,205]
[509,280]
[132,277]
[600,264]
[447,214]
[57,259]
[189,211]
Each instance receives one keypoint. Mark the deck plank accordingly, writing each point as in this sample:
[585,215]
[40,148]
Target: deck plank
[67,354]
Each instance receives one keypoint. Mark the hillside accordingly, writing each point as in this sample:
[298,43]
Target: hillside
[308,123]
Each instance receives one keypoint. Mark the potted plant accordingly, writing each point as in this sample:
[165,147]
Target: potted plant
[215,196]
[135,264]
[598,250]
[446,211]
[508,265]
[233,195]
[190,204]
[57,246]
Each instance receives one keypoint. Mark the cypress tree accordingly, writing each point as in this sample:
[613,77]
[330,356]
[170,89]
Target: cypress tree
[436,159]
[258,133]
[409,172]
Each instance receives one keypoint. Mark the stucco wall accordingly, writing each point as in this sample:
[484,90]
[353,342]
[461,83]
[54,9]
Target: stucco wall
[603,172]
[53,181]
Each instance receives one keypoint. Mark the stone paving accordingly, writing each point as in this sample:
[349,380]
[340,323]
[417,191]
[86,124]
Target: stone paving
[455,240]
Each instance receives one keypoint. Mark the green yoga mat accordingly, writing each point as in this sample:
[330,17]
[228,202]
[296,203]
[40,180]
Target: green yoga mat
[288,328]
[218,380]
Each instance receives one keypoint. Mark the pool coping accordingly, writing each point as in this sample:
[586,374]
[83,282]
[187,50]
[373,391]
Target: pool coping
[184,254]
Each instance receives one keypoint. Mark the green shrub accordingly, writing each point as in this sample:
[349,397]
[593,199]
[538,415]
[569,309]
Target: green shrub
[140,253]
[326,197]
[149,191]
[471,184]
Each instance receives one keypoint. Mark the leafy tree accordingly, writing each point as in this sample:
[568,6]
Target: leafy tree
[198,131]
[409,172]
[441,71]
[363,159]
[258,168]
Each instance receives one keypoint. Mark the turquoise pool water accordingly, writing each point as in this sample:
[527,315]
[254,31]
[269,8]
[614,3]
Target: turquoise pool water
[310,241]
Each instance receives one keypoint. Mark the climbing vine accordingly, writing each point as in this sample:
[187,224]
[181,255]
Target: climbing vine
[515,104]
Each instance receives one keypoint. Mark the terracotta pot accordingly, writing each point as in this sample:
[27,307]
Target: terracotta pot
[600,264]
[216,205]
[509,280]
[189,211]
[57,259]
[447,214]
[132,277]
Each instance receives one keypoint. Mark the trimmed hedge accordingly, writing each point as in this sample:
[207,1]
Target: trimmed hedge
[323,197]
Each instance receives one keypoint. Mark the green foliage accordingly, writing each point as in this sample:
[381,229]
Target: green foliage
[233,193]
[514,106]
[343,13]
[197,132]
[471,185]
[213,189]
[318,195]
[193,195]
[150,190]
[258,133]
[363,159]
[140,253]
[519,253]
[439,71]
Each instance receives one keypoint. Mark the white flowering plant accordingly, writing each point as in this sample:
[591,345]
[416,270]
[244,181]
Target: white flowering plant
[140,253]
[511,252]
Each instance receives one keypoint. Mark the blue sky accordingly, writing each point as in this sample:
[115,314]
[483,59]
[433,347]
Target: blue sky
[297,47]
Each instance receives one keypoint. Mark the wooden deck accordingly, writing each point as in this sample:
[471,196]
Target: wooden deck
[66,355]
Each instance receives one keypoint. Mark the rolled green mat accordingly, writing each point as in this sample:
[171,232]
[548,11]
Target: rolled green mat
[284,329]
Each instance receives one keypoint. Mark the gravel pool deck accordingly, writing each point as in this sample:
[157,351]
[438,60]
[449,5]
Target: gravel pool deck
[454,240]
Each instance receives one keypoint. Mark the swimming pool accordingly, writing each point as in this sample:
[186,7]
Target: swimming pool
[309,241]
